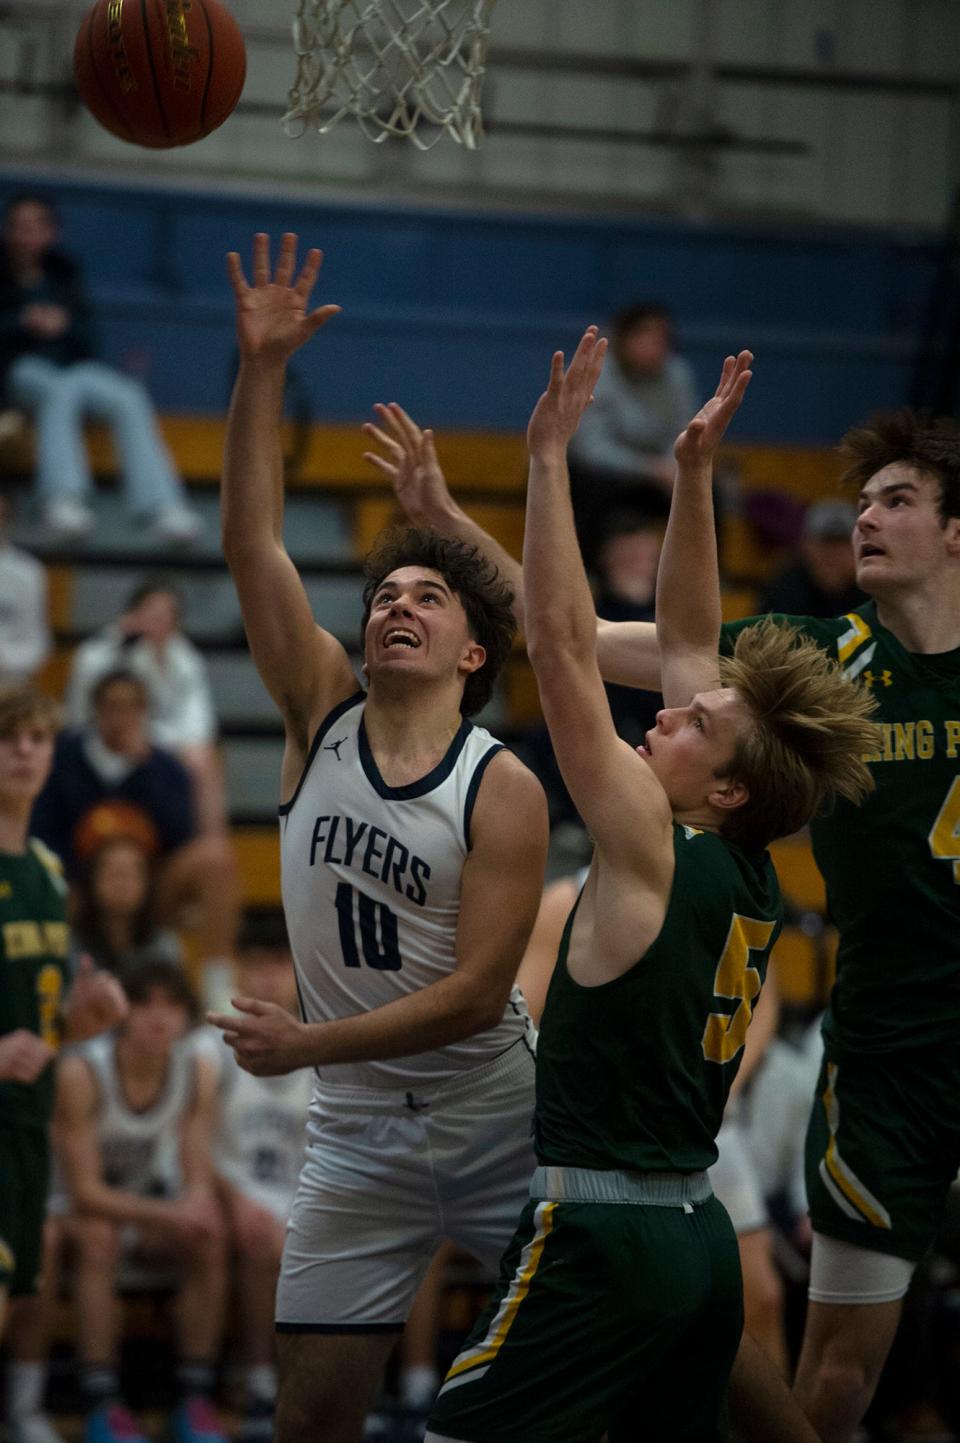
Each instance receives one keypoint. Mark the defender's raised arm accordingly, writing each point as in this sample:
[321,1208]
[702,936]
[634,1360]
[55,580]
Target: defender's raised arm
[688,580]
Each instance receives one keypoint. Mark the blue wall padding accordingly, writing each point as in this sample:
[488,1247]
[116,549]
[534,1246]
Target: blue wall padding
[455,314]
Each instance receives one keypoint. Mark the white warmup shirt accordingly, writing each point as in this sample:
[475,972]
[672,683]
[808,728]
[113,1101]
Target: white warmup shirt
[140,1151]
[262,1131]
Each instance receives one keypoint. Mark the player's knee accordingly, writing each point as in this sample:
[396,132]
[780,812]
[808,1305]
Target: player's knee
[210,1249]
[97,1242]
[295,1420]
[843,1376]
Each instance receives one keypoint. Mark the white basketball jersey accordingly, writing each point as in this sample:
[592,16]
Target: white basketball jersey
[262,1132]
[140,1151]
[371,889]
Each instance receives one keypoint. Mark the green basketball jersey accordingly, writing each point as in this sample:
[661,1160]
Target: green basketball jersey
[33,961]
[892,865]
[635,1073]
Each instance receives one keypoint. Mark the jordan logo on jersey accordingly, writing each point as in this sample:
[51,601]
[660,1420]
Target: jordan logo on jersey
[335,748]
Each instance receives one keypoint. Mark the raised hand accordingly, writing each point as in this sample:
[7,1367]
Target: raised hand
[410,465]
[556,415]
[273,319]
[697,443]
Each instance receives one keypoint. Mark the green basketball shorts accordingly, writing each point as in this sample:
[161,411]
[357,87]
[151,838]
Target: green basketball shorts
[608,1317]
[883,1147]
[24,1177]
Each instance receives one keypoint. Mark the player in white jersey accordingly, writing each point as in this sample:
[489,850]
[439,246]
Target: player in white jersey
[133,1131]
[259,1153]
[413,850]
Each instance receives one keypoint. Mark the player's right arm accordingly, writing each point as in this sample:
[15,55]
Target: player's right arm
[623,805]
[688,577]
[304,668]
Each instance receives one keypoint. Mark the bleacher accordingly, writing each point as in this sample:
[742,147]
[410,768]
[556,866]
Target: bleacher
[454,313]
[335,507]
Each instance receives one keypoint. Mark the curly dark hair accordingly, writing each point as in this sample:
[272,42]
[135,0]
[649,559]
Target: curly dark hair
[916,439]
[139,983]
[483,594]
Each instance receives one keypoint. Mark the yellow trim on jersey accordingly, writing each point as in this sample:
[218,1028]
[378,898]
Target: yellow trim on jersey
[503,1319]
[8,1262]
[844,1177]
[51,861]
[851,640]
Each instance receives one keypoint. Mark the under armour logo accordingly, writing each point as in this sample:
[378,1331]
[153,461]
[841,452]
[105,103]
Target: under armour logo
[335,747]
[884,679]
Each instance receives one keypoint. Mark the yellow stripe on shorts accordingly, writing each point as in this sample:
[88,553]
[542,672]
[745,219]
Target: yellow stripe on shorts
[867,1206]
[500,1324]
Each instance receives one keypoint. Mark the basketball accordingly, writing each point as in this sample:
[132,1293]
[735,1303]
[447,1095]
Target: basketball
[159,73]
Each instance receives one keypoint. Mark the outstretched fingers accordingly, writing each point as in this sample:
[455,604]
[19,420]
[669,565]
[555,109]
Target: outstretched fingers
[321,316]
[309,271]
[235,275]
[287,259]
[261,259]
[382,438]
[404,425]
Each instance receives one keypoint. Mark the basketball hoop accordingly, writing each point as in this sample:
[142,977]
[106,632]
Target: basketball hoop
[397,66]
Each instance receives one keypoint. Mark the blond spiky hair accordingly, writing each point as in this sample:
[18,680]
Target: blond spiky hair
[811,731]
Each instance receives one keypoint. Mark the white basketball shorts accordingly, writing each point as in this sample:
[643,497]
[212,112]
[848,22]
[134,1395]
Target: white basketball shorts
[734,1179]
[387,1175]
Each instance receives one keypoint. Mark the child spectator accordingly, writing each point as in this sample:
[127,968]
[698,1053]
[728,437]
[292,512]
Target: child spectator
[109,780]
[258,1157]
[134,1131]
[114,919]
[147,639]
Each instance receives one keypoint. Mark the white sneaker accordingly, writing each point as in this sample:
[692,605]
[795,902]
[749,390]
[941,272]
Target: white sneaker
[177,524]
[68,516]
[34,1428]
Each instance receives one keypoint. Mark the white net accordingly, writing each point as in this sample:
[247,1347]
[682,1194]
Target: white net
[411,68]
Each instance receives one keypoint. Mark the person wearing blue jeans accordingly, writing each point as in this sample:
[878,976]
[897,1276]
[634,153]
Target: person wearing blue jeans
[48,369]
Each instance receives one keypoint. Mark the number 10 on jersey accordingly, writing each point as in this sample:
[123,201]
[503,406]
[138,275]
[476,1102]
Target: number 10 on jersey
[368,929]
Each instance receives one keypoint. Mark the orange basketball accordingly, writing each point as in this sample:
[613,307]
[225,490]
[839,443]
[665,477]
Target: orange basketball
[159,73]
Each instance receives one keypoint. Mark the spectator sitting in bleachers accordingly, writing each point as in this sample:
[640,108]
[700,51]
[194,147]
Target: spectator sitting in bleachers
[623,453]
[626,560]
[47,368]
[259,1152]
[822,579]
[626,572]
[115,906]
[147,639]
[133,1132]
[24,626]
[109,780]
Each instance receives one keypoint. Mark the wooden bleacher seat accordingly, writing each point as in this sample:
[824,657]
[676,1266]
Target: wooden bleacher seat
[336,505]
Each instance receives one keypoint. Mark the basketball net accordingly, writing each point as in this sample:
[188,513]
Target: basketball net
[395,65]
